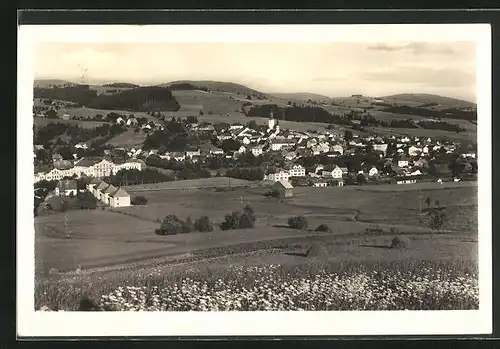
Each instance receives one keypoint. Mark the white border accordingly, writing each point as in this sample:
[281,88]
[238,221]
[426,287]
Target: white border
[31,323]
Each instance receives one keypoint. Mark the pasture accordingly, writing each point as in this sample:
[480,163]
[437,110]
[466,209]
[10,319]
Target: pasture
[112,236]
[128,139]
[116,247]
[42,122]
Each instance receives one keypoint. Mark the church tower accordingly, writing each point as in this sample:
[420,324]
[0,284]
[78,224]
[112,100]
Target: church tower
[271,122]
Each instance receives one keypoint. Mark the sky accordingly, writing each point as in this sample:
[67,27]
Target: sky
[331,69]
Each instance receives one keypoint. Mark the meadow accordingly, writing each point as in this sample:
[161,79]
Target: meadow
[116,248]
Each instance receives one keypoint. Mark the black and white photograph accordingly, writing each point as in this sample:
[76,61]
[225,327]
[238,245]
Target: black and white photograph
[305,179]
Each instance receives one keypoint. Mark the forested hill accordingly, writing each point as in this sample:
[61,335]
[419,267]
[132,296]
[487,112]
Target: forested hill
[149,98]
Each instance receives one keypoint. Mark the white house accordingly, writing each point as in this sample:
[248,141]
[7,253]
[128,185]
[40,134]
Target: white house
[119,198]
[110,189]
[278,176]
[120,121]
[81,145]
[192,152]
[132,121]
[242,149]
[380,147]
[403,162]
[216,151]
[336,173]
[413,151]
[256,151]
[320,184]
[338,148]
[406,180]
[373,172]
[297,171]
[236,127]
[425,150]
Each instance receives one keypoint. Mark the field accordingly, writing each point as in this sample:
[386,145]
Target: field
[86,237]
[128,139]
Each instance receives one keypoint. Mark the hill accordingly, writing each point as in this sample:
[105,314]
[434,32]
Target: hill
[429,99]
[137,99]
[121,85]
[302,96]
[52,82]
[219,86]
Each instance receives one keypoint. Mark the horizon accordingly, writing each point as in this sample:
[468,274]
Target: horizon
[102,82]
[333,70]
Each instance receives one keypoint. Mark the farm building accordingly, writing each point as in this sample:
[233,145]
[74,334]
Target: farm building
[284,188]
[91,186]
[108,193]
[66,188]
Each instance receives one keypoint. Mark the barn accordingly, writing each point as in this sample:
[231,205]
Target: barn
[284,188]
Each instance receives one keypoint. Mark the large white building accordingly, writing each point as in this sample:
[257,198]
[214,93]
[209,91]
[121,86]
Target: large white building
[278,176]
[89,168]
[297,171]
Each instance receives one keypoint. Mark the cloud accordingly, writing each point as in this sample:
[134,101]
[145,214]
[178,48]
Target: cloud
[436,77]
[414,47]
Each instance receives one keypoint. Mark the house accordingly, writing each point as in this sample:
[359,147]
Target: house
[65,117]
[414,151]
[246,140]
[380,147]
[284,188]
[91,186]
[403,162]
[120,121]
[336,173]
[297,171]
[57,157]
[216,151]
[468,155]
[81,145]
[192,152]
[406,180]
[242,150]
[105,194]
[98,190]
[277,176]
[290,155]
[320,184]
[132,121]
[119,198]
[373,172]
[66,188]
[256,151]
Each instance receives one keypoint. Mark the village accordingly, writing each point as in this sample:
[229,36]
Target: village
[317,159]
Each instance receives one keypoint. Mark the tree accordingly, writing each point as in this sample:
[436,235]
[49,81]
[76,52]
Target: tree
[248,210]
[203,224]
[361,179]
[139,200]
[297,222]
[348,136]
[252,124]
[428,201]
[172,225]
[437,220]
[51,114]
[230,145]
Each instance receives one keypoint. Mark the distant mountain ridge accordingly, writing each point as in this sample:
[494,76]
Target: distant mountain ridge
[220,86]
[429,98]
[230,87]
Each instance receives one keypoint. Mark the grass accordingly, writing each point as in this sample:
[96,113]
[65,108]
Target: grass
[128,139]
[130,229]
[400,285]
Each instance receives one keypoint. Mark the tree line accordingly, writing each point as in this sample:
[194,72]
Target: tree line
[136,99]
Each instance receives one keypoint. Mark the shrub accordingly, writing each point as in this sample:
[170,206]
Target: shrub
[248,210]
[399,242]
[437,220]
[273,193]
[139,200]
[317,250]
[86,304]
[297,222]
[172,225]
[322,227]
[239,220]
[394,231]
[158,231]
[203,224]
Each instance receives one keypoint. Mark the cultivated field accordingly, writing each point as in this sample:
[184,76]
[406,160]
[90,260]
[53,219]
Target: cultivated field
[128,139]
